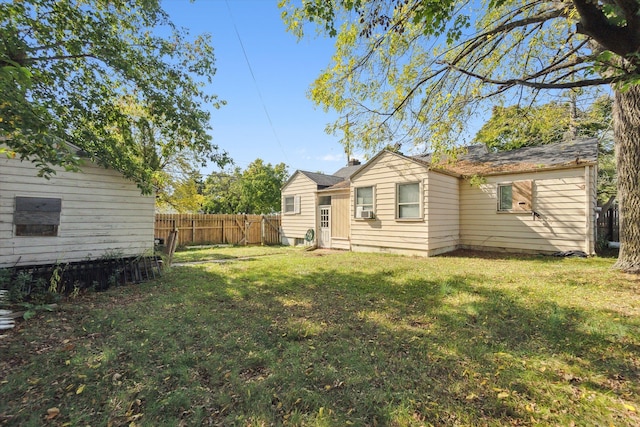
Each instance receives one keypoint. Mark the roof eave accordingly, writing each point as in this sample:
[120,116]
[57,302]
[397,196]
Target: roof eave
[533,170]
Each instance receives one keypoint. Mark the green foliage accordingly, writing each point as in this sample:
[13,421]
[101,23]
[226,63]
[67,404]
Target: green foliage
[477,180]
[416,71]
[256,190]
[514,127]
[222,192]
[29,291]
[182,191]
[66,67]
[260,187]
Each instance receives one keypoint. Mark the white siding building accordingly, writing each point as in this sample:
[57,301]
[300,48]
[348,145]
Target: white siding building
[73,216]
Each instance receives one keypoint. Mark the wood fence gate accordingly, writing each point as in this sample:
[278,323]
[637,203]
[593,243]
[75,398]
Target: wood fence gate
[609,224]
[204,229]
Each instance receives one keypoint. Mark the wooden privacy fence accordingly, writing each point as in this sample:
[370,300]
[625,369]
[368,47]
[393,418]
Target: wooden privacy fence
[203,229]
[609,224]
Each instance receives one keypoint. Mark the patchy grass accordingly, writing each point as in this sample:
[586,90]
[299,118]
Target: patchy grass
[217,253]
[329,338]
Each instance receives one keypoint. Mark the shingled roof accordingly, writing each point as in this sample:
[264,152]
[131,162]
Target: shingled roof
[347,171]
[478,161]
[321,179]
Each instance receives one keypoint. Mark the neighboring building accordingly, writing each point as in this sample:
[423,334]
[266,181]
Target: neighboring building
[535,199]
[73,216]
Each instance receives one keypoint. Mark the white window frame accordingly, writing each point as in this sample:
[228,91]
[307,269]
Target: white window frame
[359,207]
[499,189]
[420,215]
[296,205]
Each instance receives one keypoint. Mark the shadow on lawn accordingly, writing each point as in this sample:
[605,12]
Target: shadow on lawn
[360,348]
[321,346]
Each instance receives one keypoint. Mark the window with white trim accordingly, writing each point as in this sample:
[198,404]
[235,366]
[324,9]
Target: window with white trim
[516,196]
[364,201]
[291,205]
[408,201]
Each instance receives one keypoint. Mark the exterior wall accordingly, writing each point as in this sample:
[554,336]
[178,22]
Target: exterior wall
[295,226]
[102,214]
[340,218]
[443,210]
[385,233]
[561,197]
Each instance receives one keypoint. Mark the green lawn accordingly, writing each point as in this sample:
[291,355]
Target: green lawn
[288,337]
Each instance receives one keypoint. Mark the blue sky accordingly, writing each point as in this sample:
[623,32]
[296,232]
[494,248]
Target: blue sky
[283,67]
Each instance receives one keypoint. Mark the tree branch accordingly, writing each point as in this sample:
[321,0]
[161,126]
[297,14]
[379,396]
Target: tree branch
[60,57]
[534,85]
[622,40]
[504,28]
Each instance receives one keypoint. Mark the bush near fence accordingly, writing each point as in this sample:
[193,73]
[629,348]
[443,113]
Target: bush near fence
[203,229]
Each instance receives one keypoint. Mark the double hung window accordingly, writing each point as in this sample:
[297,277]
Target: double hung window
[291,205]
[408,201]
[364,201]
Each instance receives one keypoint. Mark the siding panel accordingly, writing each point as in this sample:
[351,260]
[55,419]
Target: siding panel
[558,196]
[444,212]
[102,213]
[385,233]
[294,226]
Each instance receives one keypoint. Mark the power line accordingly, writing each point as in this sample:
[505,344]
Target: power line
[255,81]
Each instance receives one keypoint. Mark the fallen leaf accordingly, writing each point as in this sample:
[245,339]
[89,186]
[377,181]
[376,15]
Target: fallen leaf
[80,389]
[629,407]
[52,413]
[503,395]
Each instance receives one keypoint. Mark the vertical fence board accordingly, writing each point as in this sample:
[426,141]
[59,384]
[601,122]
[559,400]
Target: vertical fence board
[609,224]
[202,229]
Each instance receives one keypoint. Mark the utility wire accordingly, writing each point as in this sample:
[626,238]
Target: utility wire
[264,105]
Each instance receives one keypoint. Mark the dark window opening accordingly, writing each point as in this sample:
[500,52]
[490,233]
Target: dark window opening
[37,216]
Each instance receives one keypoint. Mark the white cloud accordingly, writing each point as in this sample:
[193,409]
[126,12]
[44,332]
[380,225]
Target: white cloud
[333,158]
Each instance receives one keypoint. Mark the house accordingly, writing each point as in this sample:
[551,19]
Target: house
[73,216]
[320,203]
[535,199]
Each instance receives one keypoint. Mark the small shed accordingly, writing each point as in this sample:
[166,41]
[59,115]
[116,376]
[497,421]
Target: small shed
[71,217]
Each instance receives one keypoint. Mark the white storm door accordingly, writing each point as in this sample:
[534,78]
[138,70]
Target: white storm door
[324,240]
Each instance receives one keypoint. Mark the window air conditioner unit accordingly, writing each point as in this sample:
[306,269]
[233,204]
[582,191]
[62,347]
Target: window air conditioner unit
[366,214]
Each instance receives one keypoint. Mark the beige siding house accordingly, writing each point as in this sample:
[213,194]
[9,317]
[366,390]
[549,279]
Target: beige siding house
[74,216]
[535,199]
[306,206]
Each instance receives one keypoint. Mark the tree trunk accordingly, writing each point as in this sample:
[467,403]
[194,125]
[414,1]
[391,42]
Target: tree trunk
[626,119]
